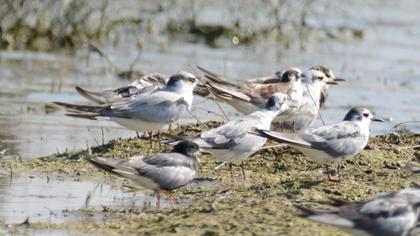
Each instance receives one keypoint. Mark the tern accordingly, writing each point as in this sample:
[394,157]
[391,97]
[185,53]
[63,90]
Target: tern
[144,112]
[232,142]
[330,144]
[160,172]
[392,214]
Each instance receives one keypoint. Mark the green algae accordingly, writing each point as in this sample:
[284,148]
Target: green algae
[264,204]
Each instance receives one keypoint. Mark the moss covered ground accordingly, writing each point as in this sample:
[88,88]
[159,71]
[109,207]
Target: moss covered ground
[217,204]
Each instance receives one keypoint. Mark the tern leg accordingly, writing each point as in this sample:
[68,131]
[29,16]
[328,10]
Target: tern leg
[151,139]
[159,138]
[330,178]
[138,135]
[338,172]
[230,169]
[157,199]
[243,170]
[171,199]
[327,169]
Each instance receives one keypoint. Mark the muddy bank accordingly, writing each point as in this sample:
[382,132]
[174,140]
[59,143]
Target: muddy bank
[51,25]
[217,204]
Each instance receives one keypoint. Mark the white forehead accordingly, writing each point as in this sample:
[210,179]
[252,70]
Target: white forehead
[315,73]
[331,74]
[363,110]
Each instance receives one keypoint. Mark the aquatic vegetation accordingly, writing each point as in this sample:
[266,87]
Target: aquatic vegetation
[262,205]
[285,23]
[48,25]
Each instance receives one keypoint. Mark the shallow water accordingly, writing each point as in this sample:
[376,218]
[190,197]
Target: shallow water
[382,71]
[59,200]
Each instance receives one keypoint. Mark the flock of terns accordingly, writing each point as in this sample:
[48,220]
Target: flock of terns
[281,107]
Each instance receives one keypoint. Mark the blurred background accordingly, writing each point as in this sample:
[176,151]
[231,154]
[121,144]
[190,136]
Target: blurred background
[50,46]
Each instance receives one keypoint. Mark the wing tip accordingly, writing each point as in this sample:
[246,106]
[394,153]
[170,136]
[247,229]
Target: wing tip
[102,163]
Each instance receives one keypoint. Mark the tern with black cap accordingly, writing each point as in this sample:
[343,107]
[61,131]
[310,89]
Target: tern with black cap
[160,172]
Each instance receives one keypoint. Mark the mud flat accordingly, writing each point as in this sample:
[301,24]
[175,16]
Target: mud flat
[216,204]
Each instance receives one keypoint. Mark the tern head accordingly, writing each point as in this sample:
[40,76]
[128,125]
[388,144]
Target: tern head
[277,102]
[291,75]
[330,76]
[361,114]
[182,81]
[315,76]
[187,148]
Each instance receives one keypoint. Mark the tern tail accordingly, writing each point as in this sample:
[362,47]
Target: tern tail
[82,108]
[90,116]
[288,138]
[105,164]
[307,212]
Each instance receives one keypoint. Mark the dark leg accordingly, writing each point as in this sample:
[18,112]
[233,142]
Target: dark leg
[338,172]
[243,170]
[327,169]
[230,169]
[151,139]
[138,135]
[159,137]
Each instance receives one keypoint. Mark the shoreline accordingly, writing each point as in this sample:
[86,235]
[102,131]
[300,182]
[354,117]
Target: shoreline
[217,204]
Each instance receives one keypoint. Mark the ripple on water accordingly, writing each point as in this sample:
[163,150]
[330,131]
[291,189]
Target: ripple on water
[58,199]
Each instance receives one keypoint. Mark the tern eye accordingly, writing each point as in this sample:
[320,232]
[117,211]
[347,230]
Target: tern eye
[365,114]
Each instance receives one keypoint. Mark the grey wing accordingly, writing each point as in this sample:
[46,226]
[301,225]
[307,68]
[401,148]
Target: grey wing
[126,91]
[344,138]
[383,215]
[224,136]
[348,217]
[388,205]
[169,170]
[303,118]
[215,78]
[288,138]
[228,93]
[145,84]
[149,108]
[154,80]
[106,96]
[263,80]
